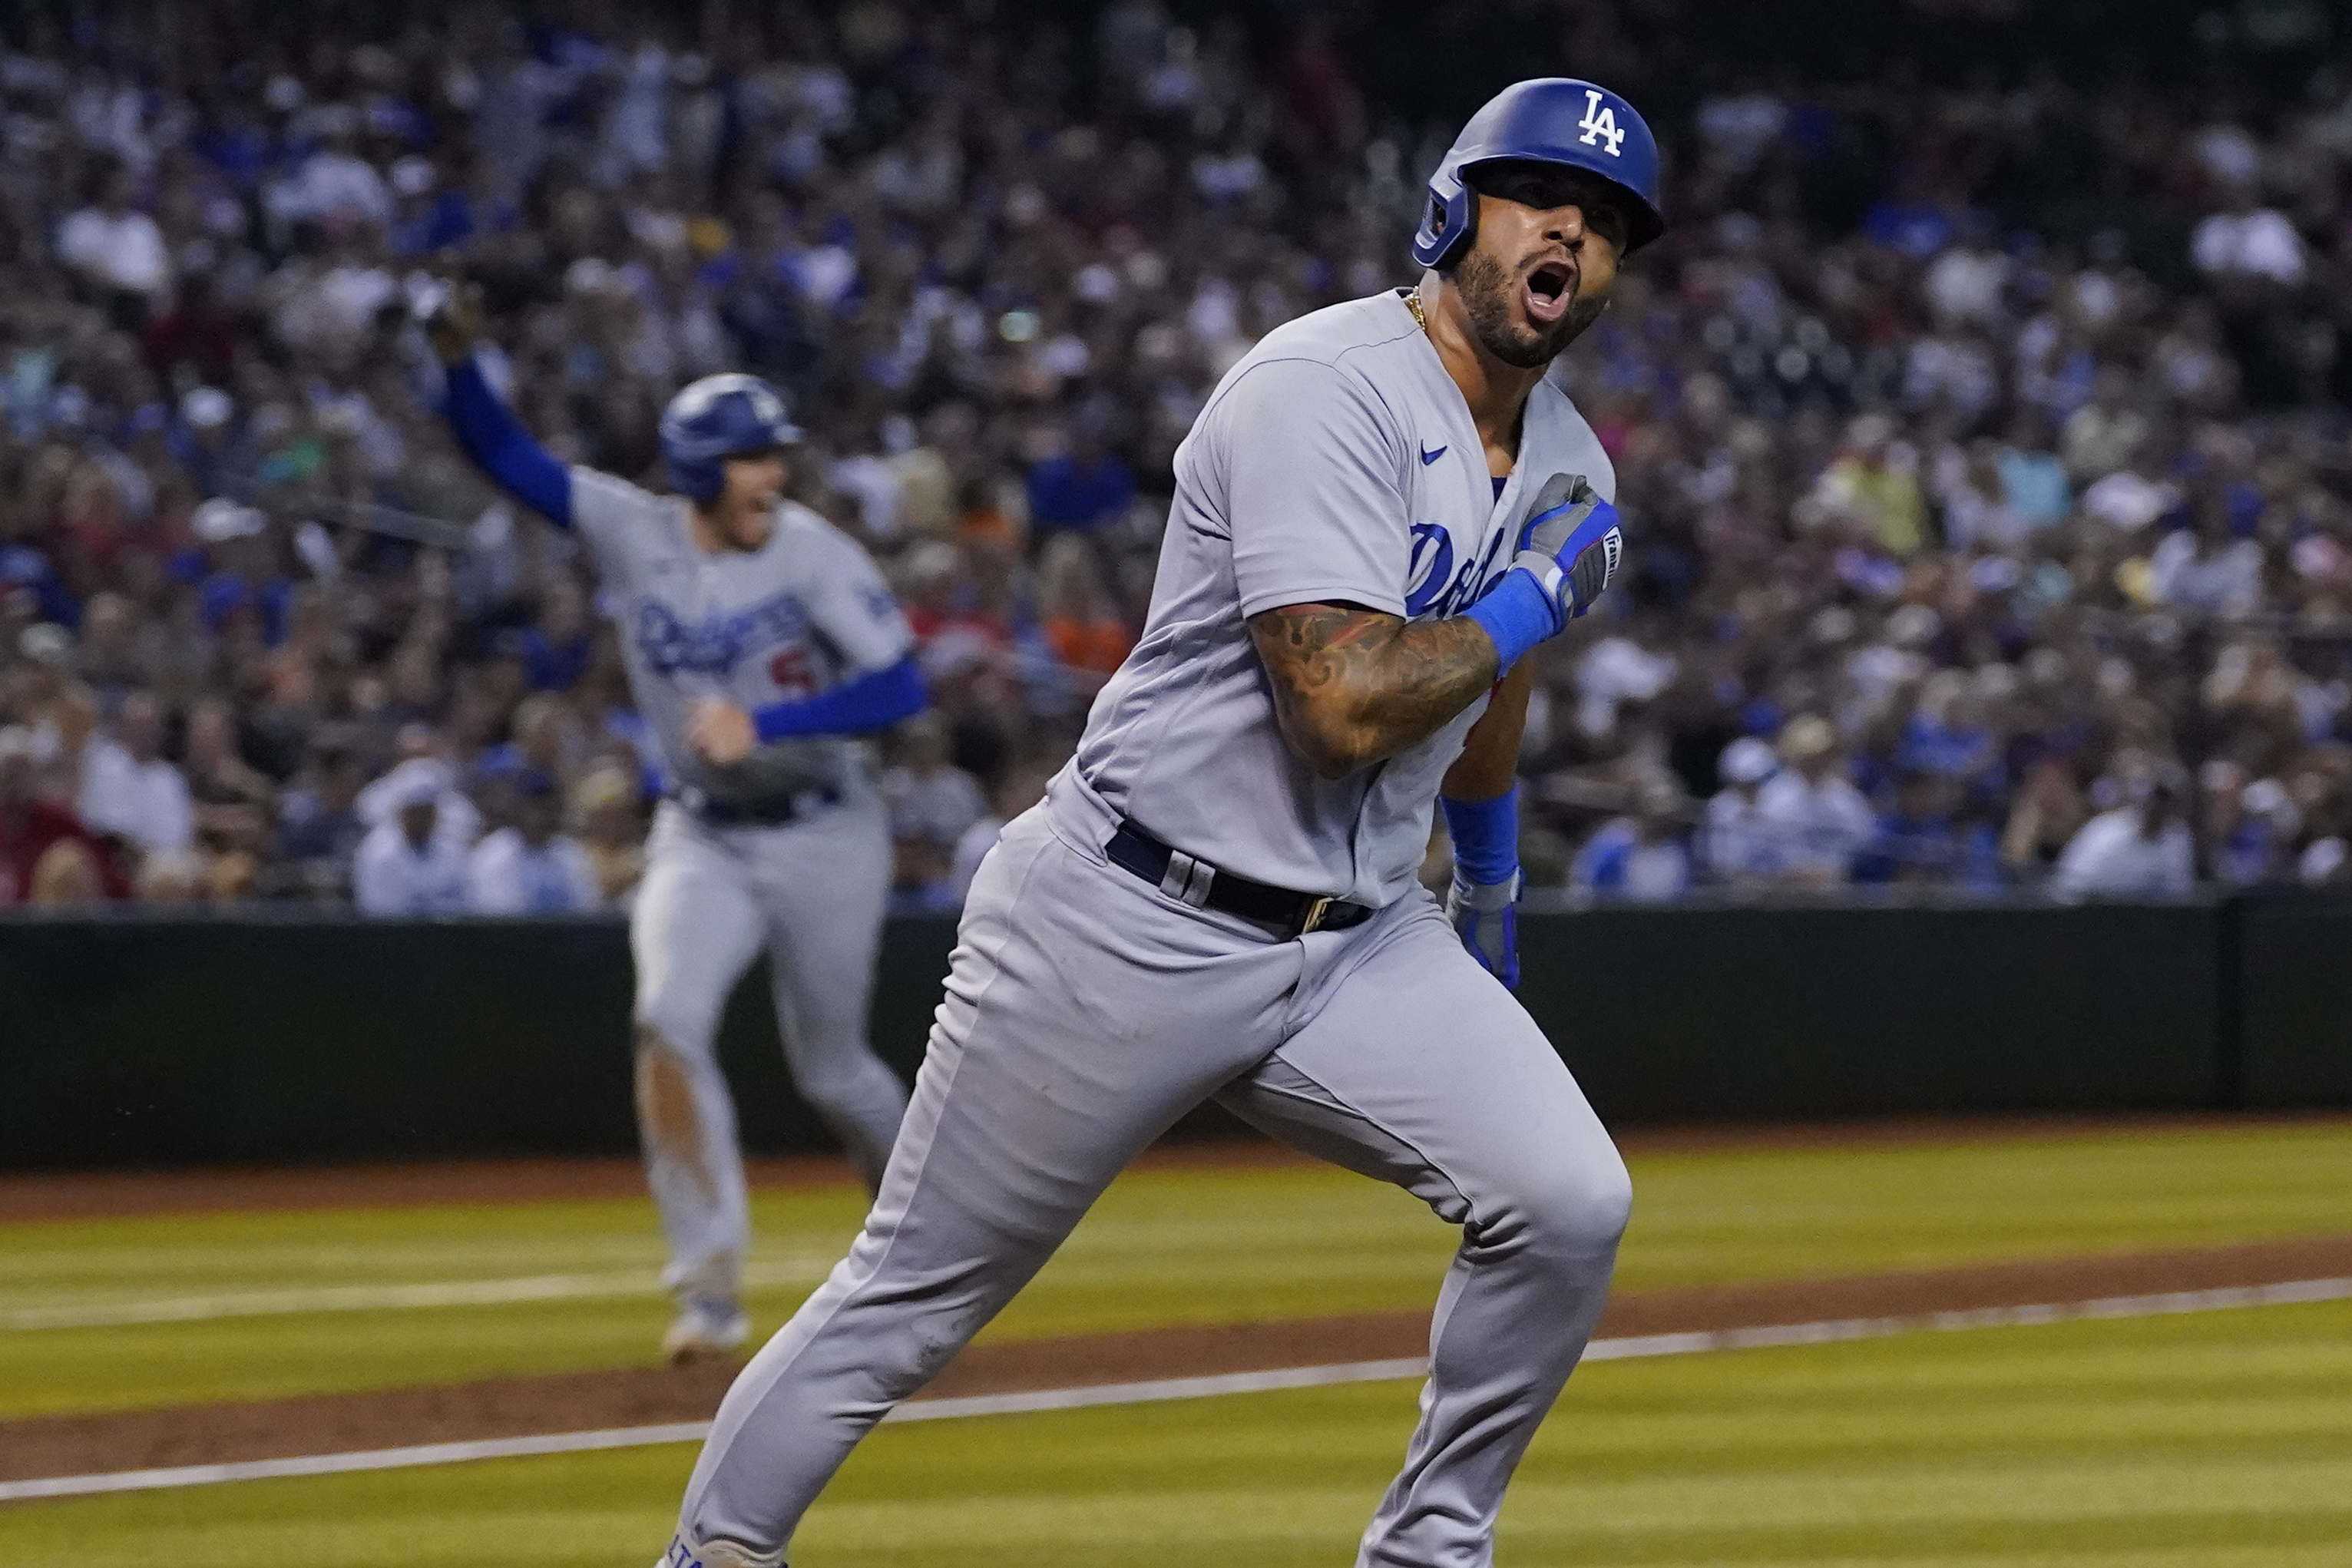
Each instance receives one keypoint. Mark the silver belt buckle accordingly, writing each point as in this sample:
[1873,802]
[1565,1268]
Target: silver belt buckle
[1315,913]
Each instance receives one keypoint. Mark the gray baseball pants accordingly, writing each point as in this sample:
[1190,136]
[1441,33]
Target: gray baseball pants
[1085,1011]
[812,893]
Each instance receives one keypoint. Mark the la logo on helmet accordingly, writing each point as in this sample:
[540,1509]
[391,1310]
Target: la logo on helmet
[1599,124]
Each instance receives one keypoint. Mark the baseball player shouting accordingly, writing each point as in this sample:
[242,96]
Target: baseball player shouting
[757,637]
[1382,508]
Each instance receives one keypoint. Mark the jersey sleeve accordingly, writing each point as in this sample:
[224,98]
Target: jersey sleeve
[1314,494]
[850,605]
[616,520]
[1580,451]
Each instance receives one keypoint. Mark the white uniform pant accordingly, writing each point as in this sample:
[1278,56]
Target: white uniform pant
[1085,1011]
[812,893]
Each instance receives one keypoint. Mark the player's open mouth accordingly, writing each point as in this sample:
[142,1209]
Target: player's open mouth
[1549,288]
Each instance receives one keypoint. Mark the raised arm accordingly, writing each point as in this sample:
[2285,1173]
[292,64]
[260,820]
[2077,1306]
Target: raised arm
[484,425]
[502,448]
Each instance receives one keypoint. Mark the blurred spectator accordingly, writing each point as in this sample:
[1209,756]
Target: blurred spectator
[922,877]
[1080,620]
[2243,241]
[2046,814]
[70,875]
[235,802]
[1916,841]
[198,331]
[2101,436]
[1023,787]
[611,837]
[406,866]
[319,827]
[1644,857]
[1975,496]
[1874,485]
[2246,826]
[2141,849]
[458,821]
[46,856]
[128,790]
[242,583]
[1081,488]
[1987,460]
[1740,846]
[929,797]
[2131,497]
[1614,672]
[2204,568]
[117,250]
[2032,480]
[555,648]
[532,867]
[1818,819]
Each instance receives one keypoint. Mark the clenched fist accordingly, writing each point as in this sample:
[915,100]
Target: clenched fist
[721,732]
[452,321]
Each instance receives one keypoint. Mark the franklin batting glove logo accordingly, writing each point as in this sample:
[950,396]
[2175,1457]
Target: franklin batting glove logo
[1590,577]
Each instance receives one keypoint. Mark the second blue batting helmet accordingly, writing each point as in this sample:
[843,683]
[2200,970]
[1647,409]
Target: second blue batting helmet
[1551,119]
[716,418]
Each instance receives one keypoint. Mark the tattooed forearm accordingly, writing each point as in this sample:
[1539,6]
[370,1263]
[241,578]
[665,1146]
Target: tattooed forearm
[1352,686]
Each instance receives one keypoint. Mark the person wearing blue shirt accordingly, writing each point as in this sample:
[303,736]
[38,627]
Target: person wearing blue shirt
[1916,841]
[1643,857]
[1082,487]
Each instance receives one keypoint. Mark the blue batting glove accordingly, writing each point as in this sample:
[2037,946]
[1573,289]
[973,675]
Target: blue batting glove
[1570,544]
[1568,547]
[1487,920]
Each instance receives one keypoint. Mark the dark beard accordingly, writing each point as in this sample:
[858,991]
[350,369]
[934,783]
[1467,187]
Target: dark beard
[1487,291]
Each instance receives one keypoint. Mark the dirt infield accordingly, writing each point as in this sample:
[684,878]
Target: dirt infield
[103,1195]
[505,1407]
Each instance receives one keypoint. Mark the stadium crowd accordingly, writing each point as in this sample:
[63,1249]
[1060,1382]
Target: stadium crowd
[1980,441]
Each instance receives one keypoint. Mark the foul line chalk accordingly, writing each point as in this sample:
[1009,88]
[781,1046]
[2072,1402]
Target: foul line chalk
[1628,1348]
[800,1270]
[345,1464]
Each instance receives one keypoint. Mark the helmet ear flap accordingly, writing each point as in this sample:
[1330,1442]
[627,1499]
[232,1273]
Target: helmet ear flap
[1464,229]
[696,482]
[1445,232]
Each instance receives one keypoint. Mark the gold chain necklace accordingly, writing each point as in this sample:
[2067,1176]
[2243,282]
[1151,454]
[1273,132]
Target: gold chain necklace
[1412,303]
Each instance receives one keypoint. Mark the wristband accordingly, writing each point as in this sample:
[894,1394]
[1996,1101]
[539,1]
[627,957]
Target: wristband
[1485,835]
[1516,614]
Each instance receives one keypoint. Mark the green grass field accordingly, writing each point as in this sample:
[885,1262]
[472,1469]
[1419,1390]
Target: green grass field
[1190,1246]
[2223,1438]
[2216,1441]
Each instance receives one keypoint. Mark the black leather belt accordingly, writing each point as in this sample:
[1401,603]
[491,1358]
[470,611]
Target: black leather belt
[1202,885]
[771,811]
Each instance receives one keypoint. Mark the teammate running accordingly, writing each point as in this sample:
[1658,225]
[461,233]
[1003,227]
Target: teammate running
[1383,507]
[758,639]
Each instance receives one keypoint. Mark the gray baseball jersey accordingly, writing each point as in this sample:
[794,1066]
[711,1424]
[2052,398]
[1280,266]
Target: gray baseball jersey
[1087,1008]
[1336,461]
[804,612]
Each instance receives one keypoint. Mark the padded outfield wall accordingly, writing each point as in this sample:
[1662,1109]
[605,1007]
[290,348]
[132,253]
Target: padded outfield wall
[295,1036]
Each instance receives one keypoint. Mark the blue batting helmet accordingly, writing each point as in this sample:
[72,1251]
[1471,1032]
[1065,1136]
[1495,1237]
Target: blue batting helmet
[716,418]
[1551,119]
